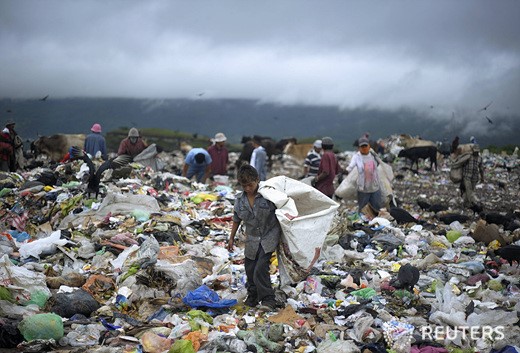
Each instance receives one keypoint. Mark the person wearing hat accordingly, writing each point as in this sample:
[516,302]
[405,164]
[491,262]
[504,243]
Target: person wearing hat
[95,144]
[368,183]
[6,150]
[129,148]
[311,165]
[219,155]
[197,163]
[471,171]
[328,169]
[16,160]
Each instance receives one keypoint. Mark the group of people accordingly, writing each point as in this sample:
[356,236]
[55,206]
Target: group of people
[324,167]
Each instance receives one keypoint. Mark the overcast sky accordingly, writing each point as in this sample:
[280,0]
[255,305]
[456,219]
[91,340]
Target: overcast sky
[446,57]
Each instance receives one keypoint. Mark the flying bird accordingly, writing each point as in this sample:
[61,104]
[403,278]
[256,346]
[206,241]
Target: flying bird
[489,120]
[201,94]
[485,108]
[44,98]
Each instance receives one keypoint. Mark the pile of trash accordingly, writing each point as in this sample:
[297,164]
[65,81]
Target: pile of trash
[145,268]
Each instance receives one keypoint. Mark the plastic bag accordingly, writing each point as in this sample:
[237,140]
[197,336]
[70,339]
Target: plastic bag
[41,326]
[205,297]
[46,245]
[25,286]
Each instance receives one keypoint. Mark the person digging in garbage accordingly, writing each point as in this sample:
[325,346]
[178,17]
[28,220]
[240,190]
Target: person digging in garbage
[197,163]
[471,171]
[129,148]
[368,183]
[262,237]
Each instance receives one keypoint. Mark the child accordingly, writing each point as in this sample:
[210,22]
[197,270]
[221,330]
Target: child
[262,236]
[366,162]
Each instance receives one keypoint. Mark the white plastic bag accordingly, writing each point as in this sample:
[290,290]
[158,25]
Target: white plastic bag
[42,246]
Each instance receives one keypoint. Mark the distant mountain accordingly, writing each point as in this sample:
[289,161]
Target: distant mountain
[237,117]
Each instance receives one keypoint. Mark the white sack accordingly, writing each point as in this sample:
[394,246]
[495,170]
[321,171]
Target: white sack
[313,211]
[347,190]
[114,204]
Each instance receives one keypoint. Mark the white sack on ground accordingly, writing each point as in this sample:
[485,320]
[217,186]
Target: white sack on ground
[313,212]
[148,158]
[114,204]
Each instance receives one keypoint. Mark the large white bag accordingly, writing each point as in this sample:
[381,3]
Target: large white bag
[347,190]
[305,215]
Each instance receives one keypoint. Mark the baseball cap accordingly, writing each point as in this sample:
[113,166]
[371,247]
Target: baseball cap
[363,142]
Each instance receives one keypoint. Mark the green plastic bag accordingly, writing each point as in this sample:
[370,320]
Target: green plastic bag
[182,346]
[365,293]
[41,326]
[453,235]
[39,298]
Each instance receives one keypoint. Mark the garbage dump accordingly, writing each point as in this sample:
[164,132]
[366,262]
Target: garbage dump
[144,267]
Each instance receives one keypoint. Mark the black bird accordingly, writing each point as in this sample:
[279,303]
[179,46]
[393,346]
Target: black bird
[449,218]
[510,252]
[438,208]
[402,216]
[489,120]
[44,98]
[433,208]
[476,208]
[496,218]
[423,205]
[407,277]
[201,94]
[485,108]
[94,175]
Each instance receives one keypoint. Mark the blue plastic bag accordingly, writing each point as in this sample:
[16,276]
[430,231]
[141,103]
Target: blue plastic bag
[205,297]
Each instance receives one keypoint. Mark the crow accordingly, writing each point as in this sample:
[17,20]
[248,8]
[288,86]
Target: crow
[44,98]
[485,108]
[449,218]
[438,208]
[424,205]
[511,253]
[433,208]
[402,216]
[407,277]
[489,120]
[496,218]
[94,175]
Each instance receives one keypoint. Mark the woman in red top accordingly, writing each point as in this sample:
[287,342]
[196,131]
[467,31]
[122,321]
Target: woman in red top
[6,150]
[329,168]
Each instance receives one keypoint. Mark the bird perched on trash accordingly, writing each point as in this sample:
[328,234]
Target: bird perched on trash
[432,208]
[402,216]
[511,253]
[407,277]
[94,175]
[449,218]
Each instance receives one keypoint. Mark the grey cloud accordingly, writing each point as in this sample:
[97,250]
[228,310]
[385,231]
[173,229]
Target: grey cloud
[453,55]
